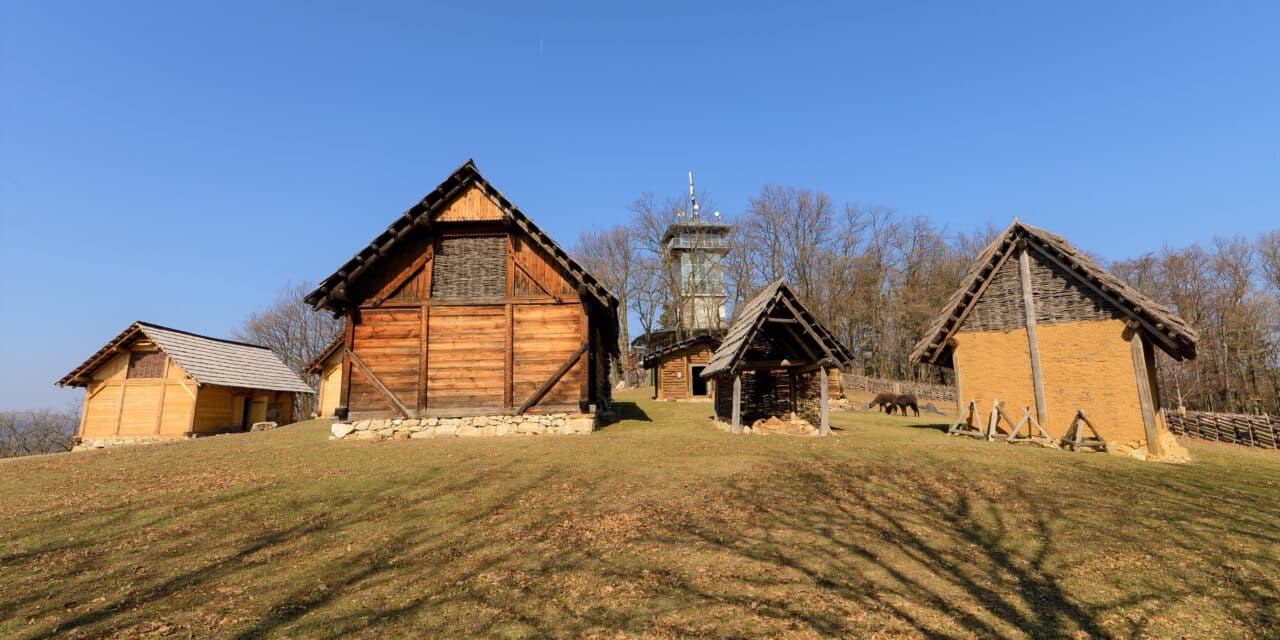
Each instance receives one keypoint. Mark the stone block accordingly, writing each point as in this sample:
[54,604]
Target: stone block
[341,429]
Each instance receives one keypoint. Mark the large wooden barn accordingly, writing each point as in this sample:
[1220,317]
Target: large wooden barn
[464,307]
[153,383]
[1037,324]
[775,361]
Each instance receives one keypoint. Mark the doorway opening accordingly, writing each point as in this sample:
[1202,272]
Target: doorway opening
[699,383]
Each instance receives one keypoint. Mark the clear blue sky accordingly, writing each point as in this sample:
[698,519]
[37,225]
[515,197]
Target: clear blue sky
[178,162]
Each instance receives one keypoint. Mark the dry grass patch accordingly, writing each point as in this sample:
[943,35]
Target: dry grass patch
[657,526]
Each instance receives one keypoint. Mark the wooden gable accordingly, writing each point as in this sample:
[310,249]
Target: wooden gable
[473,205]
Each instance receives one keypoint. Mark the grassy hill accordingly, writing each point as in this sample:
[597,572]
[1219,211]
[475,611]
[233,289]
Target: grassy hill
[657,526]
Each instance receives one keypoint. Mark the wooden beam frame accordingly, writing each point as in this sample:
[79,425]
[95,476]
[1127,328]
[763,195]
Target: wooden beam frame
[423,346]
[737,403]
[406,275]
[348,344]
[1005,250]
[555,377]
[377,384]
[824,428]
[1029,307]
[1152,329]
[1136,348]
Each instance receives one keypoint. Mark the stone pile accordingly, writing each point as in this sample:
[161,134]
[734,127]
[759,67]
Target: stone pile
[525,425]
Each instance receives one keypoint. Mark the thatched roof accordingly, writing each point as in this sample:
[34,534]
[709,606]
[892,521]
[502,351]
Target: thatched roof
[653,358]
[778,303]
[332,292]
[207,360]
[1164,327]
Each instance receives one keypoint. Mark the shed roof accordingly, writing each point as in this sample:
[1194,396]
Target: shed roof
[775,301]
[207,360]
[331,293]
[1166,328]
[656,356]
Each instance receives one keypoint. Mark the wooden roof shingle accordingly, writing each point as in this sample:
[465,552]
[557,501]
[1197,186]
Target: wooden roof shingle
[207,360]
[1166,328]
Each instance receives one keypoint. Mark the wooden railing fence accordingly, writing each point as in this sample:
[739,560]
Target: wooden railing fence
[1237,428]
[921,390]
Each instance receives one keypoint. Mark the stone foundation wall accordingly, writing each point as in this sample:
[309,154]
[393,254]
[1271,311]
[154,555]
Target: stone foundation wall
[382,429]
[89,444]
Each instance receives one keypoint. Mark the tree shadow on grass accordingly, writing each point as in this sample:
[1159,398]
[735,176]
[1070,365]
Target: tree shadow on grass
[801,548]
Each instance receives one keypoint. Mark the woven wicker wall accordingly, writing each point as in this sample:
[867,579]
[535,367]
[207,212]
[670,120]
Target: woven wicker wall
[470,268]
[1000,307]
[1059,297]
[764,394]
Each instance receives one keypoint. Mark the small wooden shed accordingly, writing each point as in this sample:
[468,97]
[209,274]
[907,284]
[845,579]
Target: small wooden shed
[328,365]
[1038,324]
[677,368]
[152,382]
[465,307]
[775,362]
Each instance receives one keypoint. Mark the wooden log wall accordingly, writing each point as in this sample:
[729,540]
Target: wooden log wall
[1261,431]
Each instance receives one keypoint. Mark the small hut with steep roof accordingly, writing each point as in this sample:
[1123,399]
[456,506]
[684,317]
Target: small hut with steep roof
[1043,329]
[775,361]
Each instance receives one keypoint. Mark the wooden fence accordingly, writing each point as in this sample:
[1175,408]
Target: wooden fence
[1248,430]
[921,390]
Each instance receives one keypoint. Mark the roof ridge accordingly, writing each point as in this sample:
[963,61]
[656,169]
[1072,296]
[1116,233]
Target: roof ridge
[198,335]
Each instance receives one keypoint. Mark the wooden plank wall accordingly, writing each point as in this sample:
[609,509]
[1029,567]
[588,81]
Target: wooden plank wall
[388,341]
[117,406]
[477,354]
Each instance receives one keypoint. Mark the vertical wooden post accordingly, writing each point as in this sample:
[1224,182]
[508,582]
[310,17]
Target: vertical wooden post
[1144,391]
[825,427]
[164,389]
[1029,305]
[737,403]
[348,346]
[120,409]
[508,366]
[424,333]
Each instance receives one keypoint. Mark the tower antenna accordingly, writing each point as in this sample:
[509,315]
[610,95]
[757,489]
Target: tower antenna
[693,200]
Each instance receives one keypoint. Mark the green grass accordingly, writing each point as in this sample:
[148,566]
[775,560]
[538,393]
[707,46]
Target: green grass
[657,526]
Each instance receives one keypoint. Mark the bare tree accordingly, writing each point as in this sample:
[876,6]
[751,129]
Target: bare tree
[26,433]
[613,256]
[295,332]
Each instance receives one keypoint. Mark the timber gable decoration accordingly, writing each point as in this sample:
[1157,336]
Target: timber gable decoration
[464,306]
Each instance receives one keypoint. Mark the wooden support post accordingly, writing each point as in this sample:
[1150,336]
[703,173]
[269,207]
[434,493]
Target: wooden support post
[508,365]
[1144,391]
[1029,305]
[825,427]
[348,346]
[737,403]
[120,408]
[425,330]
[164,389]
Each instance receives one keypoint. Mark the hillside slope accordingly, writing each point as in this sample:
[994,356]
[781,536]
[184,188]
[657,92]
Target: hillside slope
[657,526]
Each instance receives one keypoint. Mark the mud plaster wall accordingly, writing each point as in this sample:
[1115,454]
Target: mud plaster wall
[1086,365]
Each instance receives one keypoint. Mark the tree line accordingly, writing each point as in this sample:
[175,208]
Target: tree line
[878,278]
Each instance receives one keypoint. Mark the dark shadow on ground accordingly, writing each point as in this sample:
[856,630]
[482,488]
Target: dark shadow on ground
[623,411]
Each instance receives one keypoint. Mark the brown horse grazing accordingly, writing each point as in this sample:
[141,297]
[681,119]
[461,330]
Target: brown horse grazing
[903,401]
[884,401]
